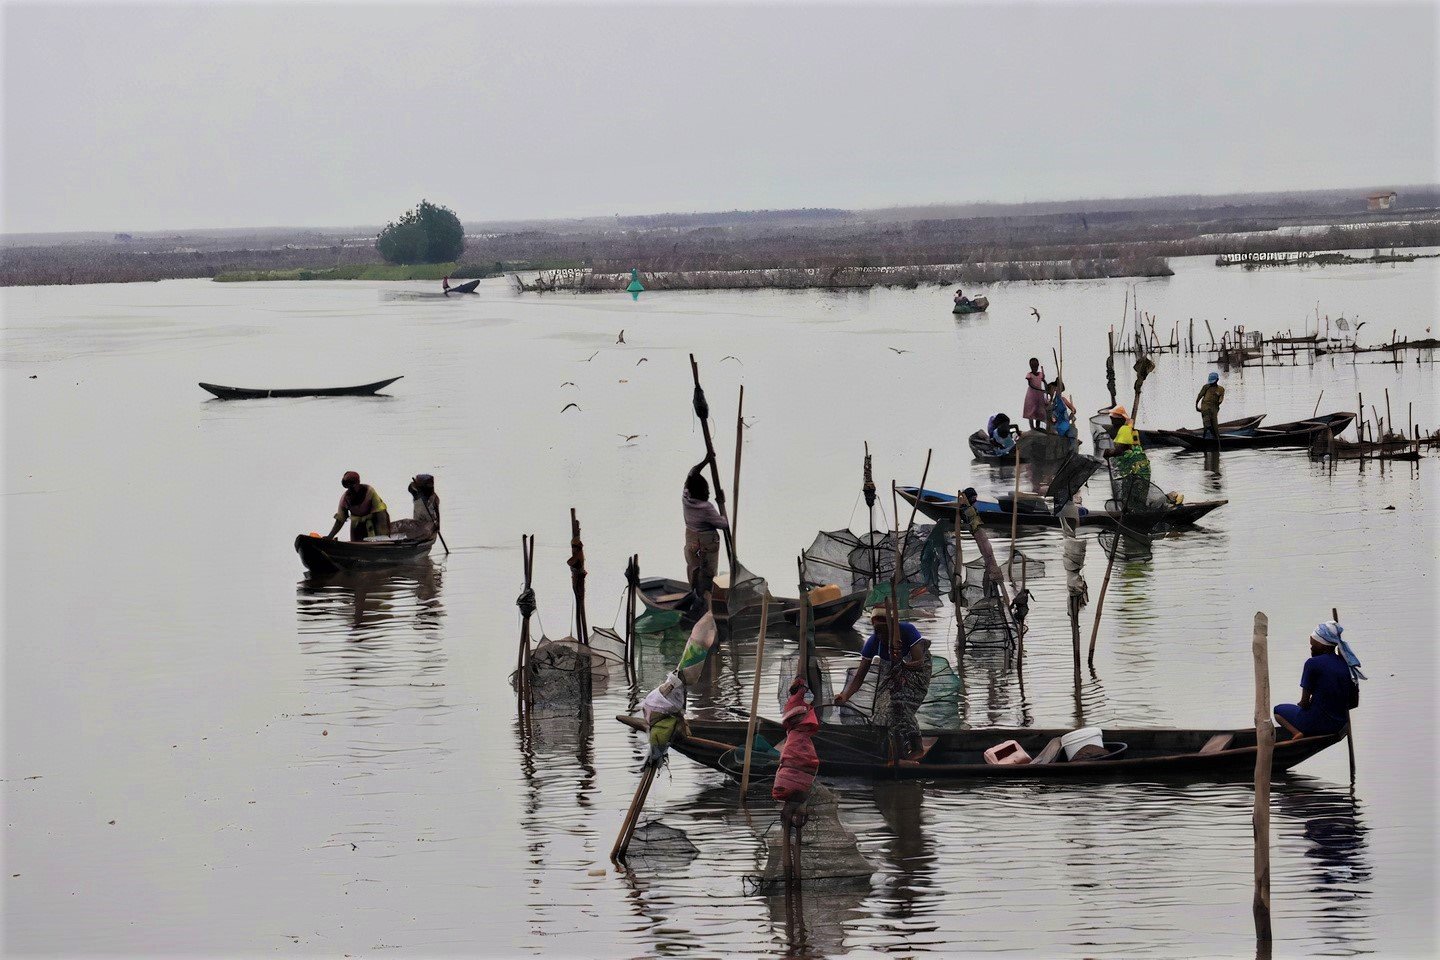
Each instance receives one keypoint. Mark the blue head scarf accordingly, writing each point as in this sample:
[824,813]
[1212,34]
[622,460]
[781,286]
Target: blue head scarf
[1214,377]
[1329,633]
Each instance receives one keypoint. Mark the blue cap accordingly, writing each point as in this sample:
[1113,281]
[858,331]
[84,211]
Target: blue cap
[1214,377]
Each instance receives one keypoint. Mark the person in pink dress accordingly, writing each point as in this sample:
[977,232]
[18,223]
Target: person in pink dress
[1036,405]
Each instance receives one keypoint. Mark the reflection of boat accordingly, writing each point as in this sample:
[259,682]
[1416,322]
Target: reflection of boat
[978,305]
[661,593]
[1166,438]
[1036,512]
[466,287]
[369,598]
[1298,433]
[324,555]
[959,754]
[259,393]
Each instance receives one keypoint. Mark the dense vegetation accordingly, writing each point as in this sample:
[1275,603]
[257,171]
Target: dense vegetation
[429,233]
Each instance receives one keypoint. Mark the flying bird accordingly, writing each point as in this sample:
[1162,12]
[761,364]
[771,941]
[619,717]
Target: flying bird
[621,338]
[897,350]
[736,359]
[569,383]
[569,405]
[591,357]
[641,360]
[628,438]
[1037,314]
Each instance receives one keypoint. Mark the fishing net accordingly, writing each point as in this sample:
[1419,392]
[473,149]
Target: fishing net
[562,674]
[979,584]
[824,694]
[988,623]
[857,562]
[830,855]
[1131,543]
[657,846]
[745,593]
[938,709]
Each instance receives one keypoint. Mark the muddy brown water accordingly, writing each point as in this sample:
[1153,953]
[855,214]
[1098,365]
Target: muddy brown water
[332,767]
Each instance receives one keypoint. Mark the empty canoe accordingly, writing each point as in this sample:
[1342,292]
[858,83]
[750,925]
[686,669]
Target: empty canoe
[260,393]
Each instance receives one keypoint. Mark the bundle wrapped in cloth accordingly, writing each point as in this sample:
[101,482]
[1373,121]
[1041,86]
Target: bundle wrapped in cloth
[798,760]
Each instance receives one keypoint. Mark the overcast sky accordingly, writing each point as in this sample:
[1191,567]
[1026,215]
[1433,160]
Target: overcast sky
[124,117]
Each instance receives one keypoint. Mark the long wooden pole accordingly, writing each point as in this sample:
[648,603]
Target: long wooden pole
[1104,585]
[1014,517]
[1264,753]
[577,579]
[755,698]
[637,803]
[710,454]
[1389,424]
[1349,728]
[958,574]
[735,485]
[1060,360]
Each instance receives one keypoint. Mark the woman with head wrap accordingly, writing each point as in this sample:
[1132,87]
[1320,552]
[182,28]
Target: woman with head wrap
[1208,401]
[703,523]
[362,504]
[1330,685]
[1035,399]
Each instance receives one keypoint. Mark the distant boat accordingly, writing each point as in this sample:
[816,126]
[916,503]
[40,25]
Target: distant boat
[257,393]
[978,305]
[467,287]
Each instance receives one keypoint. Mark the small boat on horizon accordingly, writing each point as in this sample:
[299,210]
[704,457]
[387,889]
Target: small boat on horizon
[261,393]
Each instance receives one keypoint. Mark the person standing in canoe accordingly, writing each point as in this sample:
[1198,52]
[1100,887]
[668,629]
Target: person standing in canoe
[901,688]
[1036,408]
[1062,412]
[703,521]
[1208,401]
[425,507]
[445,285]
[1132,467]
[361,503]
[1329,684]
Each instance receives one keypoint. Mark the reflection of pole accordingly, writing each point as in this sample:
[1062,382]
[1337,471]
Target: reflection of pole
[755,697]
[1264,751]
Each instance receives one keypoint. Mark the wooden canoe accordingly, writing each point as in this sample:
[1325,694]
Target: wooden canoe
[321,555]
[466,287]
[1391,448]
[1036,446]
[978,305]
[663,593]
[1298,433]
[860,751]
[1035,513]
[260,393]
[1166,438]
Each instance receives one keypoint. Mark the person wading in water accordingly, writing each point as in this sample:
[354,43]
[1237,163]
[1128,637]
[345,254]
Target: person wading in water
[362,505]
[702,523]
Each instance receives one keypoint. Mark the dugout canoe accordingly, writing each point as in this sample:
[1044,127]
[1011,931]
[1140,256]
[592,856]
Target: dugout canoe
[1037,513]
[466,287]
[321,555]
[978,305]
[860,751]
[260,393]
[1391,448]
[1298,433]
[1036,446]
[1166,438]
[663,593]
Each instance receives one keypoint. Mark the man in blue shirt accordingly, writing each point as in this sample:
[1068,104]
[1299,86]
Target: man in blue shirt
[1329,690]
[902,688]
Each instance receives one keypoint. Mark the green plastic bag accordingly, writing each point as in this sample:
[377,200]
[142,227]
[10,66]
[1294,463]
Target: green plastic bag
[657,621]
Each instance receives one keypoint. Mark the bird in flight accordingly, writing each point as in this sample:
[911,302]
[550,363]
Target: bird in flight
[621,338]
[569,405]
[1037,314]
[736,359]
[628,438]
[569,383]
[591,357]
[641,360]
[897,350]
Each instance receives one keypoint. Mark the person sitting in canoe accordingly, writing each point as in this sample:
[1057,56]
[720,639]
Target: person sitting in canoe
[1132,467]
[902,687]
[1329,684]
[1001,433]
[1207,404]
[960,299]
[702,523]
[361,503]
[1062,411]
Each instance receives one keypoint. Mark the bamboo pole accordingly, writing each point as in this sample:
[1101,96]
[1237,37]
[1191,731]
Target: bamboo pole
[1359,416]
[1014,517]
[526,604]
[632,588]
[637,803]
[1265,749]
[755,697]
[958,574]
[1060,360]
[735,485]
[1349,726]
[702,411]
[1389,423]
[1104,585]
[1316,411]
[577,580]
[1211,332]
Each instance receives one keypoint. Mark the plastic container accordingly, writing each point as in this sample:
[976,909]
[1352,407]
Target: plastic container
[1006,753]
[829,592]
[1085,736]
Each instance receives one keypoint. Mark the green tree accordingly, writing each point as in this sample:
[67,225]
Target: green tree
[429,233]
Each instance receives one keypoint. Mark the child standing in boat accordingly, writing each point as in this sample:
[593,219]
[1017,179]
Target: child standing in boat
[1036,400]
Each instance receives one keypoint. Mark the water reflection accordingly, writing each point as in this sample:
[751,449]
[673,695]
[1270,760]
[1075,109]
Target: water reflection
[369,601]
[1333,882]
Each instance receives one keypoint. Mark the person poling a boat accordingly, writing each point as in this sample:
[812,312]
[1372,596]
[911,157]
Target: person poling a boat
[902,688]
[445,285]
[1207,404]
[1330,685]
[425,508]
[703,521]
[1062,410]
[1118,418]
[1001,432]
[362,504]
[1035,396]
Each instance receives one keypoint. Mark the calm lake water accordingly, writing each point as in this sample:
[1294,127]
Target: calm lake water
[207,753]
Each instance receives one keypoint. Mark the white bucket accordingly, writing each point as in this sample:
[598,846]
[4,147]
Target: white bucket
[1085,736]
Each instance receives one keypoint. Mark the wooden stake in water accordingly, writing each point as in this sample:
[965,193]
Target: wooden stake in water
[1316,411]
[755,697]
[1264,756]
[577,579]
[1349,724]
[735,485]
